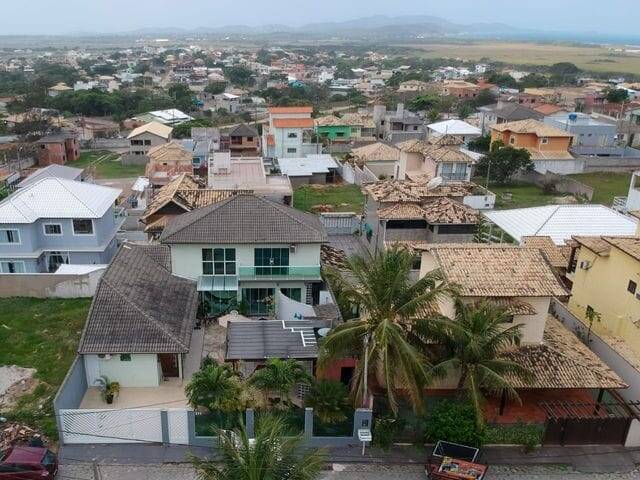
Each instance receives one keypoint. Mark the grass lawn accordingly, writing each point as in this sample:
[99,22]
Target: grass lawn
[107,164]
[606,185]
[344,198]
[523,195]
[41,334]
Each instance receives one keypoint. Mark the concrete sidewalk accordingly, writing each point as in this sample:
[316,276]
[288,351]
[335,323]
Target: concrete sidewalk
[596,459]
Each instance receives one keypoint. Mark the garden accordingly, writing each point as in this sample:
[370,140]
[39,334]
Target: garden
[333,198]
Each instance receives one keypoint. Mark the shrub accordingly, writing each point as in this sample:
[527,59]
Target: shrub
[386,431]
[527,435]
[329,400]
[453,422]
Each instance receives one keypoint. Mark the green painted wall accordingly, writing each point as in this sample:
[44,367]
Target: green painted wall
[334,132]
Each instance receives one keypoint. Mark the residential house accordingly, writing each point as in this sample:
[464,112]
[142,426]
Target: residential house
[227,101]
[346,128]
[139,330]
[397,126]
[606,275]
[58,149]
[58,88]
[170,117]
[312,169]
[289,133]
[443,156]
[405,211]
[54,170]
[244,140]
[381,158]
[453,128]
[504,112]
[54,221]
[520,281]
[201,149]
[548,145]
[148,136]
[462,89]
[587,131]
[166,161]
[412,86]
[244,249]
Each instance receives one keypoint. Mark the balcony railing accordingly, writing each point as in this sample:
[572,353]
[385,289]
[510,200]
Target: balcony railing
[311,272]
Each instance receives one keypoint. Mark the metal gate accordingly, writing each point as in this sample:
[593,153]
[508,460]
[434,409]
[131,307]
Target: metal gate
[586,423]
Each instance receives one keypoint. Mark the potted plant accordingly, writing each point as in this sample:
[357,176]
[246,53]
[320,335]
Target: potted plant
[111,390]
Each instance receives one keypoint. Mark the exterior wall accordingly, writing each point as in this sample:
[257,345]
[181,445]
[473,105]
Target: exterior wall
[52,153]
[49,285]
[531,140]
[384,168]
[563,167]
[339,133]
[283,142]
[142,371]
[585,134]
[153,140]
[412,162]
[245,145]
[604,287]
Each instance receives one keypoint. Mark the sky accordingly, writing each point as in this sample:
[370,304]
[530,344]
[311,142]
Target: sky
[106,16]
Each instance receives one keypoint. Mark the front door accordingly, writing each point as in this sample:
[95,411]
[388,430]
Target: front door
[169,364]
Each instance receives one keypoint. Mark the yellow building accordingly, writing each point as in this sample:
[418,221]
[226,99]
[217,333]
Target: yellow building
[606,280]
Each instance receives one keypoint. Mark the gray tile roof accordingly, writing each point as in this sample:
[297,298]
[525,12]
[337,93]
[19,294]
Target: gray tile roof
[262,339]
[139,306]
[514,111]
[244,219]
[243,130]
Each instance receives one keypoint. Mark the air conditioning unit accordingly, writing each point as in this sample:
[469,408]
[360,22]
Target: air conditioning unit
[585,265]
[292,249]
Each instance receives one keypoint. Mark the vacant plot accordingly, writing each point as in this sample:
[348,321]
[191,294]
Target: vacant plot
[520,196]
[594,58]
[40,334]
[107,165]
[606,185]
[339,198]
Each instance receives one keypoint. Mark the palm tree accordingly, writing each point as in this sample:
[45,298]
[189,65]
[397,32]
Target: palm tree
[272,454]
[329,400]
[389,302]
[279,376]
[476,340]
[215,387]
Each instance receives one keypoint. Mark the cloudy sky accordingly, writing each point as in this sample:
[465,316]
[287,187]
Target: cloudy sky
[69,16]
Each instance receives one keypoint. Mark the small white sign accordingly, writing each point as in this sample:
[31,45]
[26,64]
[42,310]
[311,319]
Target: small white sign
[364,434]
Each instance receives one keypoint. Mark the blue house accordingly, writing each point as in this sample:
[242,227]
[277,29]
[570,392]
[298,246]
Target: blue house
[55,221]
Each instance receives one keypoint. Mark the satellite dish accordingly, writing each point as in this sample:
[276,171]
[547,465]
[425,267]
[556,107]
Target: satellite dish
[323,332]
[434,182]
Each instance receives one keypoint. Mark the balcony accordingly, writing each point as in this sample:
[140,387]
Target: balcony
[311,272]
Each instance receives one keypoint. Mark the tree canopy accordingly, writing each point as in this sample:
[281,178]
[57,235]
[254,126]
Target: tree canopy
[501,162]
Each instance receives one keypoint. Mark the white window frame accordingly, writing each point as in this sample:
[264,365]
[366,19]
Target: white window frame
[544,140]
[292,150]
[93,228]
[44,230]
[20,262]
[19,242]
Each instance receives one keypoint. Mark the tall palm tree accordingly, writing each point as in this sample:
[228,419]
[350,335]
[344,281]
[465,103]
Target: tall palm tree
[476,341]
[279,376]
[271,455]
[389,302]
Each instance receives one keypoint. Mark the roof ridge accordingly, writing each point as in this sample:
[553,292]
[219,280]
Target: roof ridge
[212,208]
[75,196]
[555,210]
[286,212]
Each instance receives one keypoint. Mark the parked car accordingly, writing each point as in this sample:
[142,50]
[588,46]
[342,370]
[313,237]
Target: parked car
[28,463]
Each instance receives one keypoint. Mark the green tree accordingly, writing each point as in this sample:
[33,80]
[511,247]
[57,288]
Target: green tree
[272,455]
[503,80]
[263,56]
[183,130]
[280,376]
[423,102]
[215,88]
[564,69]
[182,96]
[617,95]
[329,400]
[534,80]
[240,76]
[216,387]
[433,115]
[389,302]
[464,110]
[501,162]
[480,144]
[454,422]
[484,97]
[476,341]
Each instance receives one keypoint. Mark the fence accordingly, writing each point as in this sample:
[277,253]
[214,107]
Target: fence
[49,285]
[560,183]
[106,143]
[355,175]
[345,223]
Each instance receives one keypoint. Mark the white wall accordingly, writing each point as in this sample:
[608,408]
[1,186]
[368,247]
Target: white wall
[141,371]
[564,167]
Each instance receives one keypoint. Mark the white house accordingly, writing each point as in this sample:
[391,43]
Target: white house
[456,128]
[290,133]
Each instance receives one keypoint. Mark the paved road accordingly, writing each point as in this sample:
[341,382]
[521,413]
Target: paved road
[341,472]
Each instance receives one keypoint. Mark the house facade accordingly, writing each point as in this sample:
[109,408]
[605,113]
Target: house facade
[58,149]
[53,222]
[244,140]
[243,249]
[348,127]
[166,161]
[148,136]
[290,133]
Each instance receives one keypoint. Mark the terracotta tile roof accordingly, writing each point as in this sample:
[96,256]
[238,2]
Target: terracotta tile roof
[401,211]
[446,211]
[558,256]
[439,150]
[333,257]
[511,306]
[629,245]
[596,244]
[562,361]
[346,119]
[293,122]
[299,109]
[167,192]
[407,191]
[547,108]
[170,152]
[154,128]
[531,126]
[497,271]
[549,154]
[376,151]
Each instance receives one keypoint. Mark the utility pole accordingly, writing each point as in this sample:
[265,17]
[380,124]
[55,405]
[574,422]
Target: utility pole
[365,381]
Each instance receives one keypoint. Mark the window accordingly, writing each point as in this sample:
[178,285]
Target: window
[269,261]
[82,226]
[512,140]
[456,229]
[508,318]
[292,150]
[218,261]
[292,293]
[258,300]
[55,259]
[9,236]
[292,135]
[52,229]
[136,142]
[417,262]
[11,267]
[632,286]
[402,224]
[249,139]
[125,357]
[339,134]
[544,140]
[147,142]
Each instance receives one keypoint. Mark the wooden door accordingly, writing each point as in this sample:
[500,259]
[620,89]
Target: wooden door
[169,364]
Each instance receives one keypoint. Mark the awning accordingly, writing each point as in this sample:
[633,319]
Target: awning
[217,283]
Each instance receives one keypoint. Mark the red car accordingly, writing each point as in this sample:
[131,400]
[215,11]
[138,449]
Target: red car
[28,463]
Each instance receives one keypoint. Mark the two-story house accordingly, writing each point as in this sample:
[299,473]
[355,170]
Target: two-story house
[55,221]
[144,138]
[166,161]
[58,149]
[242,249]
[244,140]
[290,133]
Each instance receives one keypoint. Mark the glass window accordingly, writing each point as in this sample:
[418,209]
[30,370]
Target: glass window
[292,150]
[292,135]
[292,293]
[268,260]
[125,357]
[52,229]
[632,286]
[218,261]
[12,267]
[258,300]
[9,236]
[82,226]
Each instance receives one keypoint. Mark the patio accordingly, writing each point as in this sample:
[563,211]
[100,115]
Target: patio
[169,394]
